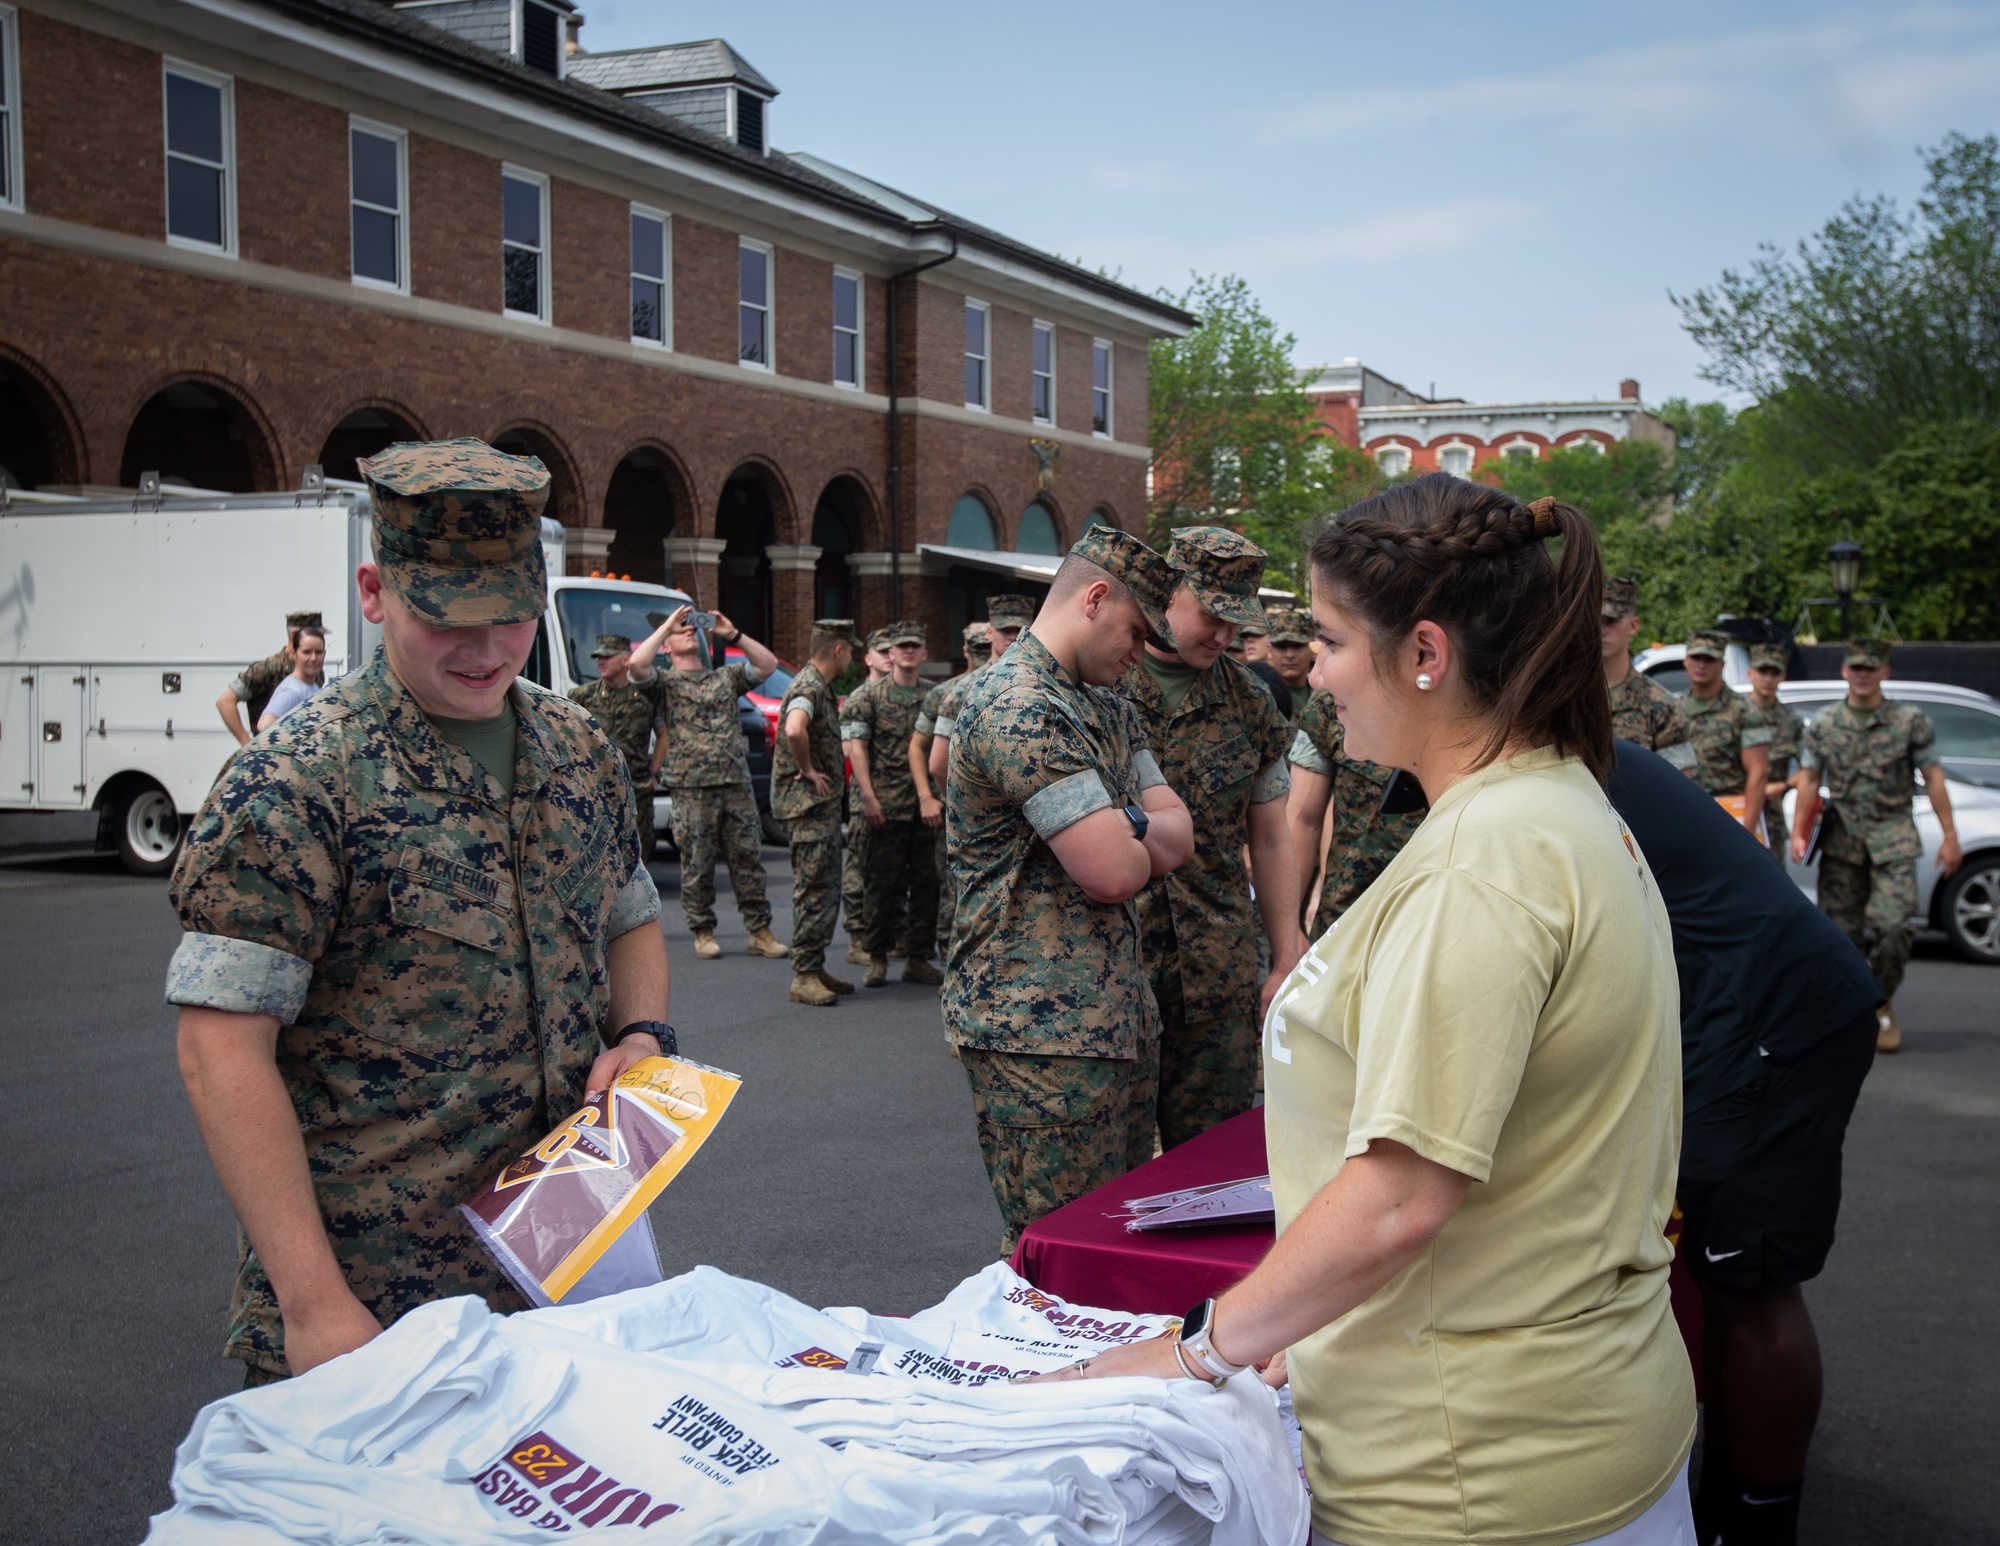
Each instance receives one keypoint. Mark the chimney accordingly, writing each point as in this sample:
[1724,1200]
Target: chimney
[1628,390]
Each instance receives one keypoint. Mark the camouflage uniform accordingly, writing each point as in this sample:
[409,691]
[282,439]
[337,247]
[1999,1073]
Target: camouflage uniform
[260,678]
[1222,750]
[812,821]
[707,771]
[898,863]
[943,699]
[626,715]
[1289,625]
[1646,714]
[1786,729]
[1046,998]
[433,946]
[1869,845]
[1364,840]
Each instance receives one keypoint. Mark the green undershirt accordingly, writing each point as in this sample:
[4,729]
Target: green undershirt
[488,742]
[1172,677]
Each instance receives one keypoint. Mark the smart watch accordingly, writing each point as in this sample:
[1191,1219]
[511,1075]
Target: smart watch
[659,1030]
[1140,821]
[1194,1337]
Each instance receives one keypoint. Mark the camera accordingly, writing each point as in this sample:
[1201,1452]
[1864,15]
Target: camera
[702,620]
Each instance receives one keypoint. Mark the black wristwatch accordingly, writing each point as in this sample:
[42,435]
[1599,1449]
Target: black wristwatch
[1195,1337]
[1140,821]
[659,1030]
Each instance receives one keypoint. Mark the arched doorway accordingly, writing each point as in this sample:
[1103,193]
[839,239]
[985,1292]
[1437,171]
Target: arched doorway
[565,502]
[644,505]
[838,522]
[199,436]
[36,445]
[746,518]
[363,432]
[1038,532]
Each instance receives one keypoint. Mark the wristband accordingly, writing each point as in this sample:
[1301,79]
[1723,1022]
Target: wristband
[1197,1327]
[1140,821]
[659,1030]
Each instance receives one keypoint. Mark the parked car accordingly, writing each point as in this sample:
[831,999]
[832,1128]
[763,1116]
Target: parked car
[1667,665]
[1966,907]
[759,708]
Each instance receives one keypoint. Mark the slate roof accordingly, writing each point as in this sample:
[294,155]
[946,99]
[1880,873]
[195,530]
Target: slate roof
[372,22]
[708,63]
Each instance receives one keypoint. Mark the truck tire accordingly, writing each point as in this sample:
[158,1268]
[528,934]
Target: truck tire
[148,831]
[1970,911]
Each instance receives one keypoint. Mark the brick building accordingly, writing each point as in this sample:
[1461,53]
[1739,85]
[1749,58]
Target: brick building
[1407,432]
[241,237]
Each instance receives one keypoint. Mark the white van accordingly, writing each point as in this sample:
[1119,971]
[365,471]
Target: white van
[122,621]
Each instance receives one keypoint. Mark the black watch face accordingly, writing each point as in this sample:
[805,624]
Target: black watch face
[1195,1320]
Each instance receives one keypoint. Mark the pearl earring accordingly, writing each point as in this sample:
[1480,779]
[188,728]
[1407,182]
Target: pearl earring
[1424,682]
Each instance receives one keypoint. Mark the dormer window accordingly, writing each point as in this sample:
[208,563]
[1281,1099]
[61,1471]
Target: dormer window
[750,121]
[535,33]
[708,85]
[542,38]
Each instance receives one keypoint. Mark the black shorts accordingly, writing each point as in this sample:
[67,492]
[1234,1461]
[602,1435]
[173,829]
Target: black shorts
[1760,1168]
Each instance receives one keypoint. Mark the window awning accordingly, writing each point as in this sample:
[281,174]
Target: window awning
[1036,568]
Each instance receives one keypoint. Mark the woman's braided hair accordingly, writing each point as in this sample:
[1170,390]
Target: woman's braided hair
[1469,557]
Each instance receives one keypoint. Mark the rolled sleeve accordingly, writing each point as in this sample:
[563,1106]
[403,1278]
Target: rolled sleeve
[926,725]
[1681,755]
[242,690]
[799,706]
[854,730]
[637,903]
[1066,802]
[212,971]
[1923,742]
[1274,783]
[1756,735]
[1147,769]
[945,725]
[1309,756]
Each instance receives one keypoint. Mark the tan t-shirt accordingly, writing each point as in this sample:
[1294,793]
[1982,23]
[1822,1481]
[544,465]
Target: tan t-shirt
[1503,1001]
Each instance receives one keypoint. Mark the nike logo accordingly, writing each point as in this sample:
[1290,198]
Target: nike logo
[1721,1256]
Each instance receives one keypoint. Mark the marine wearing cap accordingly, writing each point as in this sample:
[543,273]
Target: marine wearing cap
[808,793]
[609,644]
[833,630]
[1768,663]
[1222,568]
[440,931]
[899,877]
[1868,654]
[1769,657]
[1621,598]
[1148,576]
[298,620]
[1709,644]
[1642,711]
[1010,611]
[1291,626]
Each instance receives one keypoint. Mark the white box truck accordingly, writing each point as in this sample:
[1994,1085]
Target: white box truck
[122,621]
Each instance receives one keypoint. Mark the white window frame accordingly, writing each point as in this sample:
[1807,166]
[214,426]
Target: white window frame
[1518,445]
[1586,442]
[1471,457]
[1110,388]
[227,85]
[984,311]
[1401,452]
[1035,329]
[665,280]
[10,114]
[401,137]
[859,383]
[769,363]
[541,181]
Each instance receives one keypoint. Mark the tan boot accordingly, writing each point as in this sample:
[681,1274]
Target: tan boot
[1888,1034]
[766,944]
[856,956]
[832,983]
[878,972]
[924,973]
[808,989]
[705,945]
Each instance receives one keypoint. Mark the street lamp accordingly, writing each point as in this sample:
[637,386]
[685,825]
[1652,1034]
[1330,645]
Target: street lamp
[1843,562]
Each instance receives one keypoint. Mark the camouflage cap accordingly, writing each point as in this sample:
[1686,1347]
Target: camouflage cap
[1873,654]
[879,640]
[829,631]
[1291,626]
[1010,611]
[609,644]
[1223,568]
[1709,642]
[1138,568]
[975,633]
[458,531]
[302,620]
[905,632]
[1621,597]
[1769,657]
[978,651]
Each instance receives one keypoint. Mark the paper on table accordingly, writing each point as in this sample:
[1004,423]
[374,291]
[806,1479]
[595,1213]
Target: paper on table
[1240,1202]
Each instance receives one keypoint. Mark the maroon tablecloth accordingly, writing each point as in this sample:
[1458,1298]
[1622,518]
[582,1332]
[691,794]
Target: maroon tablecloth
[1084,1253]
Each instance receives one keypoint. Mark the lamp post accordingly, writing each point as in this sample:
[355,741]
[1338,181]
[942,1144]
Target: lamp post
[1843,562]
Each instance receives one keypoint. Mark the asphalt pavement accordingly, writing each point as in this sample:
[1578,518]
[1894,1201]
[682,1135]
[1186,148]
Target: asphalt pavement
[847,1173]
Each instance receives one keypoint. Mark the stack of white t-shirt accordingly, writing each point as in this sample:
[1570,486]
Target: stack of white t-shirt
[712,1409]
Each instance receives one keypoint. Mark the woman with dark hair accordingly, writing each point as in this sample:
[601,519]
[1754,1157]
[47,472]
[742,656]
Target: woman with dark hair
[1473,1079]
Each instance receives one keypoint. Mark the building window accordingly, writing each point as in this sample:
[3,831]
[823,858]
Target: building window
[377,174]
[1044,377]
[978,354]
[971,524]
[652,300]
[749,121]
[1456,460]
[524,244]
[1393,460]
[10,111]
[1586,443]
[1519,450]
[201,158]
[1037,531]
[1100,387]
[753,304]
[541,39]
[846,328]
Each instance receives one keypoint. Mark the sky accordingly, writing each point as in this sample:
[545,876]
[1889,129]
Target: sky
[1494,199]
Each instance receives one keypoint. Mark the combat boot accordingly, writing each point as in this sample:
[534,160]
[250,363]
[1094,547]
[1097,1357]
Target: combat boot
[1888,1034]
[832,983]
[878,972]
[766,944]
[920,971]
[856,956]
[705,945]
[808,989]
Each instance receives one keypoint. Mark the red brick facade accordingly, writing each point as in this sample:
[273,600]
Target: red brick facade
[103,314]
